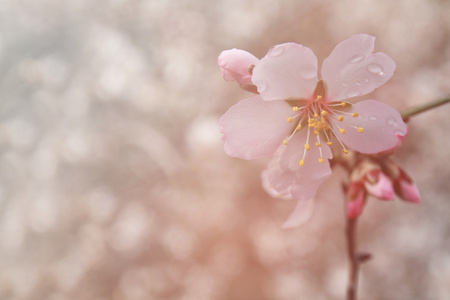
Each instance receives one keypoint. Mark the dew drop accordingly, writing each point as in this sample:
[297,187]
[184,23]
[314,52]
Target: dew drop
[373,118]
[352,94]
[375,69]
[399,132]
[276,51]
[357,83]
[366,80]
[356,58]
[390,121]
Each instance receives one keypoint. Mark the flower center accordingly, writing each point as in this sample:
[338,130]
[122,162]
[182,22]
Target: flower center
[322,120]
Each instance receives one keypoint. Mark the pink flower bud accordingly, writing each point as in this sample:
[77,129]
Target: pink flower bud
[356,196]
[379,185]
[237,65]
[405,188]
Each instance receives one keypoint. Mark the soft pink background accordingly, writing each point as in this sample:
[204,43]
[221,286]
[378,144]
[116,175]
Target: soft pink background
[113,179]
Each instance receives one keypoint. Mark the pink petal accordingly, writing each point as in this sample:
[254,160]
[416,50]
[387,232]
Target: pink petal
[269,188]
[287,71]
[301,214]
[383,127]
[254,128]
[235,65]
[352,70]
[382,189]
[289,178]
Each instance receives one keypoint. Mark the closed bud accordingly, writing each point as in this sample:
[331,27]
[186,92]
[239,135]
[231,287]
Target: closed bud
[379,185]
[356,198]
[405,188]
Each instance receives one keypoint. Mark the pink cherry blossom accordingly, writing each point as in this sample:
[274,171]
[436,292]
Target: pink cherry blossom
[296,116]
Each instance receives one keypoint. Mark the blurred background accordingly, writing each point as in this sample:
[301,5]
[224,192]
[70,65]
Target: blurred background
[114,183]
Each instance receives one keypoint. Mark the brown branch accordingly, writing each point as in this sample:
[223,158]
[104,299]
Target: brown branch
[355,258]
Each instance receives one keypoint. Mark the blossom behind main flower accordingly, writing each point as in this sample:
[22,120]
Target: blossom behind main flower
[296,117]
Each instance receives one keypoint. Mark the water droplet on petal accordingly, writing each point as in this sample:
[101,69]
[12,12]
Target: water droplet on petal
[352,94]
[375,69]
[399,132]
[356,58]
[390,121]
[366,80]
[276,51]
[373,118]
[357,83]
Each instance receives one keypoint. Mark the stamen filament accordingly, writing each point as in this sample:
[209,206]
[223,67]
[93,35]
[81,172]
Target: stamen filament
[299,126]
[307,147]
[339,140]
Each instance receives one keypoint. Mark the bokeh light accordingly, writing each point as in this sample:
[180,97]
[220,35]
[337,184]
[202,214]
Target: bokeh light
[113,179]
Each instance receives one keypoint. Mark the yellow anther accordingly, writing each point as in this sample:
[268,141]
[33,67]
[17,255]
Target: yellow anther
[354,115]
[341,118]
[329,143]
[316,132]
[311,125]
[360,129]
[345,151]
[321,160]
[323,120]
[289,120]
[318,145]
[307,147]
[343,104]
[285,142]
[342,130]
[324,113]
[319,97]
[301,162]
[310,120]
[298,127]
[327,127]
[295,108]
[316,116]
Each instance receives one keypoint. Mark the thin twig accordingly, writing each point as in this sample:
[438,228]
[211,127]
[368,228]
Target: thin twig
[421,108]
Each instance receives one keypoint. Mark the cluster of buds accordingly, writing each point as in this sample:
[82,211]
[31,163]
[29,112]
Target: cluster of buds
[381,178]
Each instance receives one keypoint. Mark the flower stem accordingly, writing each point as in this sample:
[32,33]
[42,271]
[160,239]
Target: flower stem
[353,259]
[421,108]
